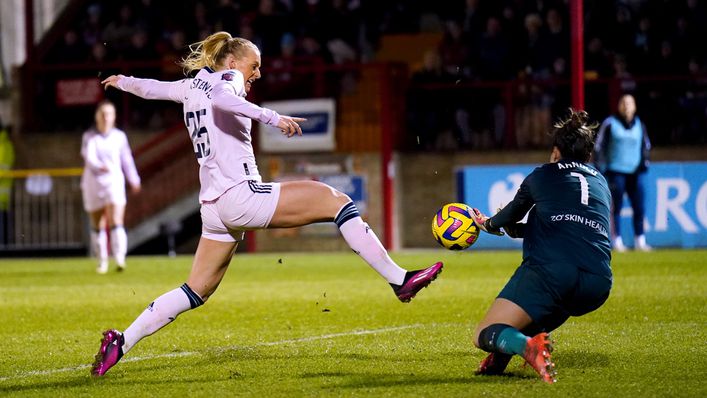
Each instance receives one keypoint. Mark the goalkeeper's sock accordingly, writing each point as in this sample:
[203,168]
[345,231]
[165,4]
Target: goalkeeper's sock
[160,313]
[502,338]
[365,243]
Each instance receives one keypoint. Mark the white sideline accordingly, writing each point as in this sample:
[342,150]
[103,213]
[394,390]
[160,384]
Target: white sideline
[192,353]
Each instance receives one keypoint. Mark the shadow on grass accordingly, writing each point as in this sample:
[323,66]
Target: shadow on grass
[73,382]
[575,359]
[382,380]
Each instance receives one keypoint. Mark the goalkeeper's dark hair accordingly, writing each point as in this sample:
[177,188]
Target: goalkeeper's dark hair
[574,136]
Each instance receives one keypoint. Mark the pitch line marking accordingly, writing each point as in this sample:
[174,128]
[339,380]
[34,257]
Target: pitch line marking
[192,353]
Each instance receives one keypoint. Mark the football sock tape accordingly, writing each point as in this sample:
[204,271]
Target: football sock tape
[502,338]
[346,213]
[194,299]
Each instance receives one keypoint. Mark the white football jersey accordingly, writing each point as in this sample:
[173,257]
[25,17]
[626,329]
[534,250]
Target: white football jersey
[218,120]
[108,161]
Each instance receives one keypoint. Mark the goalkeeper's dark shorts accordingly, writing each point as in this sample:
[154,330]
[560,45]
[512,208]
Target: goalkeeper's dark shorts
[551,294]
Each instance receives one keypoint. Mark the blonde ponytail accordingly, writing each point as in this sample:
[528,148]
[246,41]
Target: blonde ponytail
[212,50]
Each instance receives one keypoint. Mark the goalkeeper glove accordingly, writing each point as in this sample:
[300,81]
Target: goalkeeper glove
[484,222]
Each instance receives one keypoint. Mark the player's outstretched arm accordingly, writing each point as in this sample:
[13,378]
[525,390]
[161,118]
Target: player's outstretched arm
[225,98]
[148,88]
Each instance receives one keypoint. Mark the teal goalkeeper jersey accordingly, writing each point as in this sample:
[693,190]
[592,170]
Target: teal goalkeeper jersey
[568,221]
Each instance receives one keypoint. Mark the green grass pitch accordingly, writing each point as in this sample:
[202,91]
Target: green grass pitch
[324,324]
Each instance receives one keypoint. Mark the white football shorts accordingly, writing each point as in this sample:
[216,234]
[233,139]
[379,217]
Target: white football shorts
[248,205]
[97,197]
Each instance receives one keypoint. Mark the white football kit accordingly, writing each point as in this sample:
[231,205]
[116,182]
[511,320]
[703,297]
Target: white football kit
[108,163]
[218,120]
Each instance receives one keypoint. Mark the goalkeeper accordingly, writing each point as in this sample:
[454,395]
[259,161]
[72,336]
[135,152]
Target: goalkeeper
[566,253]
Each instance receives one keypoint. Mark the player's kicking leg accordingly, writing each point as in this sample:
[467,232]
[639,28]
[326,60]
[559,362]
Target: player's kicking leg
[210,264]
[294,208]
[415,281]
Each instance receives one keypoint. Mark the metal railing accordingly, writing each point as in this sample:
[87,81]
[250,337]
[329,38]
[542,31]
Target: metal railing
[45,211]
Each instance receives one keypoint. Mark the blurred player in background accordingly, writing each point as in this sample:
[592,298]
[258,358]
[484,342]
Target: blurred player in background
[566,253]
[233,197]
[108,163]
[621,153]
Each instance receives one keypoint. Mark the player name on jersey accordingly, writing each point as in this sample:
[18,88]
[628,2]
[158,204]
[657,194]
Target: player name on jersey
[572,165]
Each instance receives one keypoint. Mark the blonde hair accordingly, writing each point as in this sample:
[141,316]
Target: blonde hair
[213,50]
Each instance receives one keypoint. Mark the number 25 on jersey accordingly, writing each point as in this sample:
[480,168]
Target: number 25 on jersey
[199,135]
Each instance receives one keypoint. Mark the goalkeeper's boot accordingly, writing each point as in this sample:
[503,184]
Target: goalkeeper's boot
[110,352]
[494,364]
[416,280]
[537,354]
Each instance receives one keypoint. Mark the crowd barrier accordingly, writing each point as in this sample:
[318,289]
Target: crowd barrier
[44,211]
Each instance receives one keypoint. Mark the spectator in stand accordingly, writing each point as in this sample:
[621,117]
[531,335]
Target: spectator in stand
[227,16]
[202,27]
[117,33]
[149,17]
[494,56]
[70,50]
[342,25]
[533,114]
[622,155]
[535,60]
[514,31]
[92,29]
[454,49]
[644,46]
[621,30]
[108,164]
[667,63]
[596,61]
[558,43]
[138,49]
[696,15]
[175,48]
[428,110]
[284,82]
[270,24]
[474,18]
[98,54]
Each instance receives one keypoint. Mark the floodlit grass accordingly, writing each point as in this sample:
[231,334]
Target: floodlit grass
[326,325]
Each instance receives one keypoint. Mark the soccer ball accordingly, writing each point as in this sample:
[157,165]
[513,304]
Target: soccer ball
[454,228]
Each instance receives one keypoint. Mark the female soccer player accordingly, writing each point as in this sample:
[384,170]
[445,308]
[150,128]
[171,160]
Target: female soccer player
[108,163]
[232,196]
[566,253]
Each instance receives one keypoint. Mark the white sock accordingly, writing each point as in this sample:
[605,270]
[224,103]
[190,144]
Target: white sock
[99,246]
[160,313]
[119,244]
[364,242]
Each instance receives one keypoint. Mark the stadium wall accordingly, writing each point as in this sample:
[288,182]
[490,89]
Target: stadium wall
[424,181]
